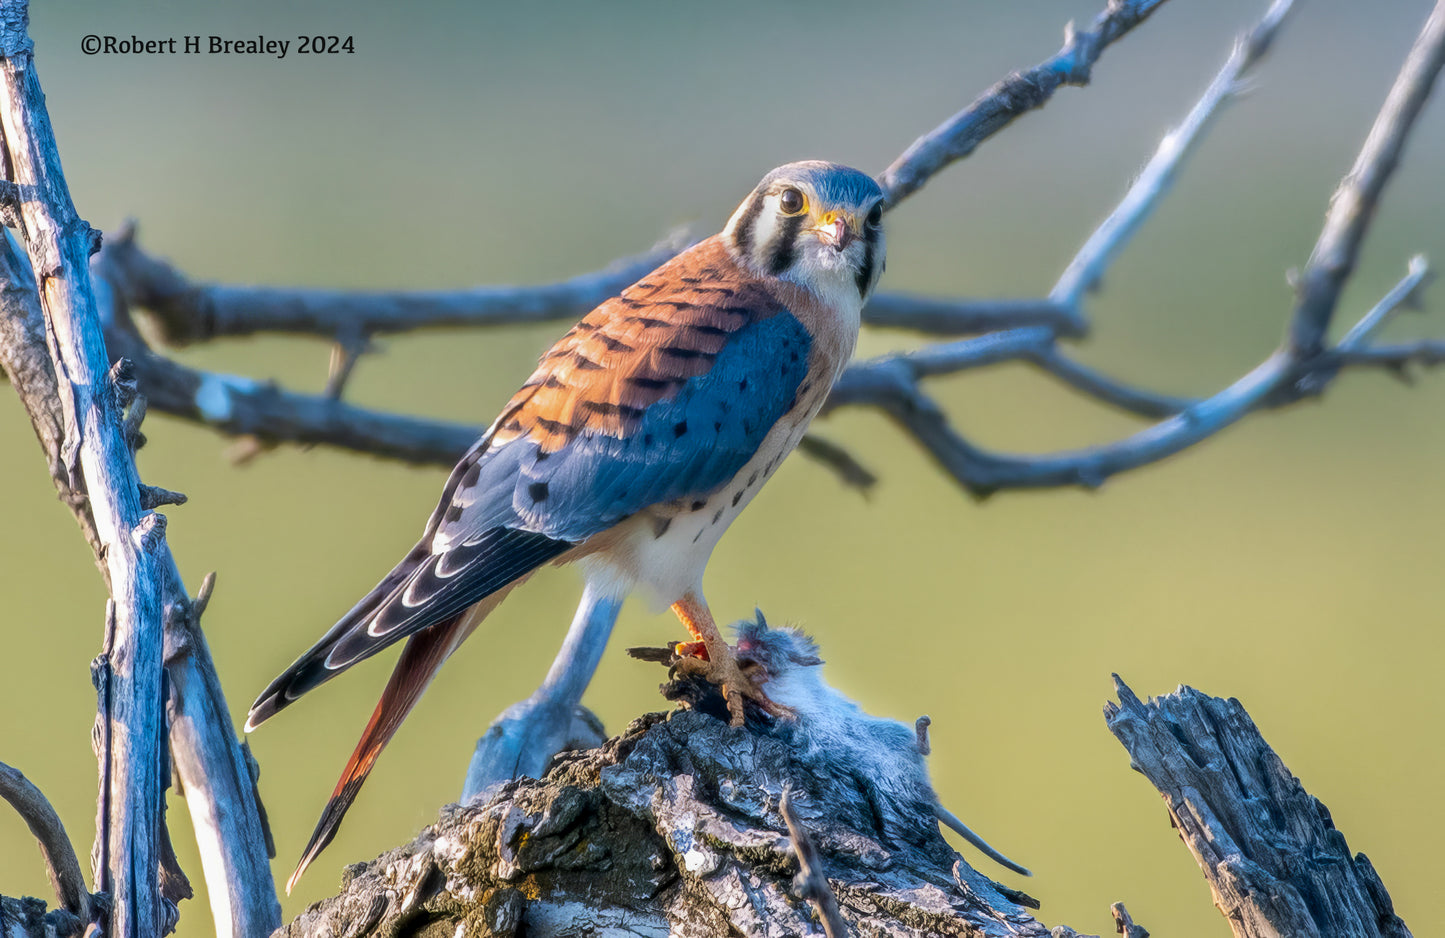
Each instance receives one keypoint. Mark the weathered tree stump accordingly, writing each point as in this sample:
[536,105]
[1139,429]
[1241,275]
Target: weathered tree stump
[1270,850]
[672,828]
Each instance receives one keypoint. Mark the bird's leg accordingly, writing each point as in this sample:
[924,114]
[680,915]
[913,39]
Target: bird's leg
[719,665]
[523,740]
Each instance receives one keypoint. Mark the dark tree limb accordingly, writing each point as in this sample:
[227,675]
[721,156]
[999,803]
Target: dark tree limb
[1270,851]
[27,364]
[184,311]
[61,865]
[811,881]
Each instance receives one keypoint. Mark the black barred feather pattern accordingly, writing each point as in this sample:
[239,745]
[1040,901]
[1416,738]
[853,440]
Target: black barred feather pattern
[419,592]
[445,584]
[423,656]
[656,400]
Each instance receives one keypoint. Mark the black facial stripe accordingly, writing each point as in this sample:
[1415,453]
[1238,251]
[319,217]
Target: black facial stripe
[865,269]
[784,244]
[743,232]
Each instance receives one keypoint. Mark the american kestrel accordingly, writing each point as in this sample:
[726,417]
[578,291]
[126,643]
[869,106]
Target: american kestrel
[640,437]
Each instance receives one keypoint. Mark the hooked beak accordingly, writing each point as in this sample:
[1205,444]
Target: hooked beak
[835,233]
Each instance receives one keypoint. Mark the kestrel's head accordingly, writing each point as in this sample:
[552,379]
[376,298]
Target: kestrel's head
[817,224]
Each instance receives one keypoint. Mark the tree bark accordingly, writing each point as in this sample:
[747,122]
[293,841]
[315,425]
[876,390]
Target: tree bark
[672,828]
[1269,849]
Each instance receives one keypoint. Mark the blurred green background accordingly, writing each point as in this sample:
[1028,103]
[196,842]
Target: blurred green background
[1292,562]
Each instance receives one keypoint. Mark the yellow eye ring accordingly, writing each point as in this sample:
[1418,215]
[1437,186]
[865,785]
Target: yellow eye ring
[792,201]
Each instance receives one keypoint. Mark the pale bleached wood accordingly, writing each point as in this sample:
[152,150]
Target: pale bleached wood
[216,778]
[59,244]
[139,568]
[209,761]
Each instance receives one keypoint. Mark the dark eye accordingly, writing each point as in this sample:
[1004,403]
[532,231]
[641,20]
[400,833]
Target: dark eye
[875,217]
[791,201]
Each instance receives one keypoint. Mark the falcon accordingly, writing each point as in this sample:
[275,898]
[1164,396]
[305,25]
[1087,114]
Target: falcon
[640,437]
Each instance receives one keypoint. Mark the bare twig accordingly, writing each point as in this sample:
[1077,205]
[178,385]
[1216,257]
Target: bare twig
[1087,268]
[1396,357]
[1017,94]
[1352,207]
[345,353]
[962,317]
[849,470]
[1405,293]
[243,407]
[1279,380]
[61,864]
[811,880]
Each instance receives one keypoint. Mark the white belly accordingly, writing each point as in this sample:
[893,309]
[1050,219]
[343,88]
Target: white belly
[662,552]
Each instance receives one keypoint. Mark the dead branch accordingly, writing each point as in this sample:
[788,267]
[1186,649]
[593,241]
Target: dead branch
[96,454]
[1016,95]
[1352,207]
[673,828]
[61,866]
[1124,923]
[680,826]
[702,874]
[1270,851]
[78,406]
[811,881]
[185,312]
[1026,331]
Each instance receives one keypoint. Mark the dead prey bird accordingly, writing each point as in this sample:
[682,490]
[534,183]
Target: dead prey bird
[830,733]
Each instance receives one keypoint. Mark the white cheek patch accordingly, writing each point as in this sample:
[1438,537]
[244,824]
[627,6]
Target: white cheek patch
[765,229]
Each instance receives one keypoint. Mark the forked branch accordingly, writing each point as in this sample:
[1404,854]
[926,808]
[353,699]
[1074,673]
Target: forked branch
[1027,331]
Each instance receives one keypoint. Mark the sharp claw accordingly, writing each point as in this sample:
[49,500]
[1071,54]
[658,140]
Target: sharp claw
[722,669]
[691,650]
